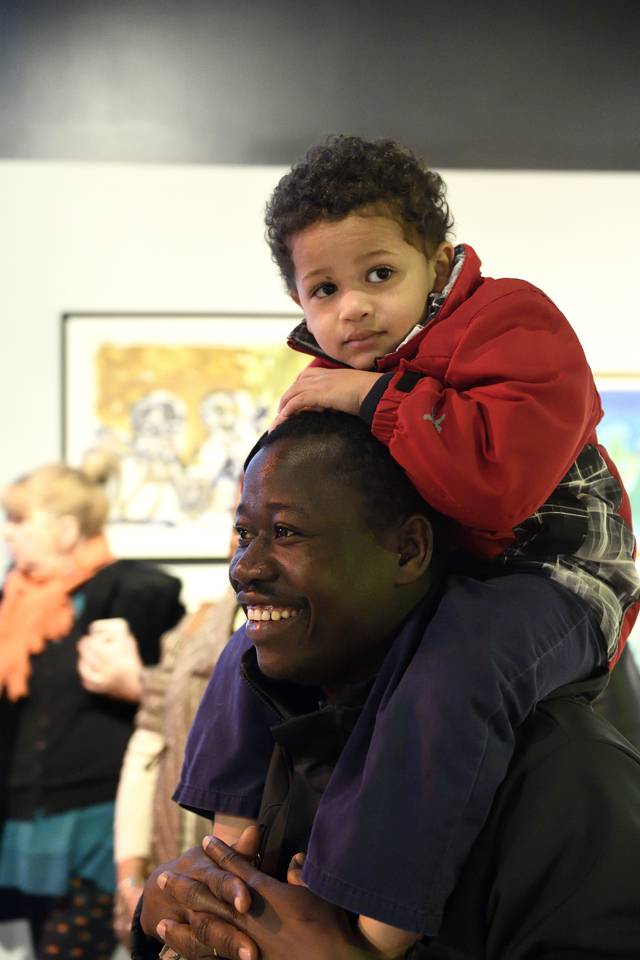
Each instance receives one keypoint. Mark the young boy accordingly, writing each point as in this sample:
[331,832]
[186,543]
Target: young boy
[479,387]
[482,393]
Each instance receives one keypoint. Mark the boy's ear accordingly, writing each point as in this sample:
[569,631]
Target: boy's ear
[294,296]
[442,260]
[414,548]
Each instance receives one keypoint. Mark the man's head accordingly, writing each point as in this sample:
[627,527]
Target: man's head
[359,231]
[336,547]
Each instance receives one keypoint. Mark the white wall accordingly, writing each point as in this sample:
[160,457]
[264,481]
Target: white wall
[93,237]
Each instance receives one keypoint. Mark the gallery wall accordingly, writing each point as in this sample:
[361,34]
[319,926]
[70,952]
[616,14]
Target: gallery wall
[496,84]
[104,237]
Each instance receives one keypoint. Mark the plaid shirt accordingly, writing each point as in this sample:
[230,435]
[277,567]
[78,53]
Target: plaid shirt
[579,539]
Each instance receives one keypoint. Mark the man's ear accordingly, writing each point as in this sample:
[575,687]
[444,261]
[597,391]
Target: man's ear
[415,549]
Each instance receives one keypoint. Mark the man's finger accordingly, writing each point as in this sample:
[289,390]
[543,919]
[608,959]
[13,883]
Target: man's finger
[227,941]
[229,860]
[213,892]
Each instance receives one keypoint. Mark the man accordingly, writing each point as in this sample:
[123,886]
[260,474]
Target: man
[339,569]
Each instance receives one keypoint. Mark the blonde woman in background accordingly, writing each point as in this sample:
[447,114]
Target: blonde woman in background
[76,625]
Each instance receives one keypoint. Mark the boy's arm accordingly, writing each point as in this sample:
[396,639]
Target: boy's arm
[389,941]
[230,828]
[487,431]
[488,438]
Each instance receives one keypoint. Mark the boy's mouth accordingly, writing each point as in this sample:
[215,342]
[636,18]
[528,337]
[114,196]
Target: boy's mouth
[362,336]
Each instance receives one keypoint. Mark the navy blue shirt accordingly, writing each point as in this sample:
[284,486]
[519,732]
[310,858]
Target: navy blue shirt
[420,769]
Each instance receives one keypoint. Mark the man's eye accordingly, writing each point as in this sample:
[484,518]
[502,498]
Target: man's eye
[324,290]
[243,533]
[379,274]
[282,531]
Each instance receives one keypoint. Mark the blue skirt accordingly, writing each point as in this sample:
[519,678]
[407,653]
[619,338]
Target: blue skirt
[40,856]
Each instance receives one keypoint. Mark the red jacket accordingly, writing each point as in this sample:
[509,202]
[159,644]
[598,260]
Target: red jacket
[488,407]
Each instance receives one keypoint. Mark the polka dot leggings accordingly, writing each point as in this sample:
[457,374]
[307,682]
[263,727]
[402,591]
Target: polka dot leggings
[77,926]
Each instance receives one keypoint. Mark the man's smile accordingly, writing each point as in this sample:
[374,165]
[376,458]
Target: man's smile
[265,613]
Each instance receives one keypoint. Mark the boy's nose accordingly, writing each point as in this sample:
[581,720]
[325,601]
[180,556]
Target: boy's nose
[354,305]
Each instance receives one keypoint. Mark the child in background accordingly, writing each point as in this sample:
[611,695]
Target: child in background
[482,393]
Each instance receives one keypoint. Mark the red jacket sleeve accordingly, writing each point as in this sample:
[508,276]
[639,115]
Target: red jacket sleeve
[487,433]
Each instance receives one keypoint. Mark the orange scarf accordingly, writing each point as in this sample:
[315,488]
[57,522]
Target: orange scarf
[36,609]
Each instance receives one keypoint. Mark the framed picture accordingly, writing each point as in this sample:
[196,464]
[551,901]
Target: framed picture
[619,430]
[171,404]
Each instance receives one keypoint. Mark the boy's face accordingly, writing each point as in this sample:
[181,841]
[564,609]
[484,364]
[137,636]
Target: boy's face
[362,285]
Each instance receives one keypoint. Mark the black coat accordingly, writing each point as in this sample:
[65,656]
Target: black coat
[62,746]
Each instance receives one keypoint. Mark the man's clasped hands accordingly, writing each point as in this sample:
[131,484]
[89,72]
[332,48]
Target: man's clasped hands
[211,901]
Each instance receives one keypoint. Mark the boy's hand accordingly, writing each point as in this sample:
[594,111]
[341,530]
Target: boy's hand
[320,389]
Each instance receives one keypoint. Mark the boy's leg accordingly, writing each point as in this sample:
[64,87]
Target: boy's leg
[443,740]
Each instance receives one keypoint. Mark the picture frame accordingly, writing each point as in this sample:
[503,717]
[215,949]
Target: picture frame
[170,404]
[619,430]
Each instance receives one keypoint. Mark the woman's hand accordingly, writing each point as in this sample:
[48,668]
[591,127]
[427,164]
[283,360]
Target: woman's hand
[109,662]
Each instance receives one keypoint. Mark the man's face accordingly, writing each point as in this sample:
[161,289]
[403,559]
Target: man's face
[318,586]
[361,285]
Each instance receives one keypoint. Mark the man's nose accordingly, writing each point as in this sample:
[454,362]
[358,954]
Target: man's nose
[252,564]
[354,305]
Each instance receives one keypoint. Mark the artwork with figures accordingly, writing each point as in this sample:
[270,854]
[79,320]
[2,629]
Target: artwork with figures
[619,430]
[175,402]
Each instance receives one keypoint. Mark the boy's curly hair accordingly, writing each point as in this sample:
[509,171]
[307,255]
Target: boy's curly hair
[345,174]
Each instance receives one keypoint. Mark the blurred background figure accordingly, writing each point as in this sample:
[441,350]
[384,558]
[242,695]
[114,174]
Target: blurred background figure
[149,827]
[76,626]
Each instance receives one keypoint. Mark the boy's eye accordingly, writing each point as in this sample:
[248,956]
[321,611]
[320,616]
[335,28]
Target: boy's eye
[324,290]
[379,274]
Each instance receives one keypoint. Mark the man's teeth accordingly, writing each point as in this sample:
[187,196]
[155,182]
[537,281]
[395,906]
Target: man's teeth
[270,613]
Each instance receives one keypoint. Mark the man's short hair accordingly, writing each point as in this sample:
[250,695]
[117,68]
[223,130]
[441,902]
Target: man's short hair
[363,464]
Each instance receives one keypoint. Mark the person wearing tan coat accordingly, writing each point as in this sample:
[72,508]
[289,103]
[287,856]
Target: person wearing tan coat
[149,827]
